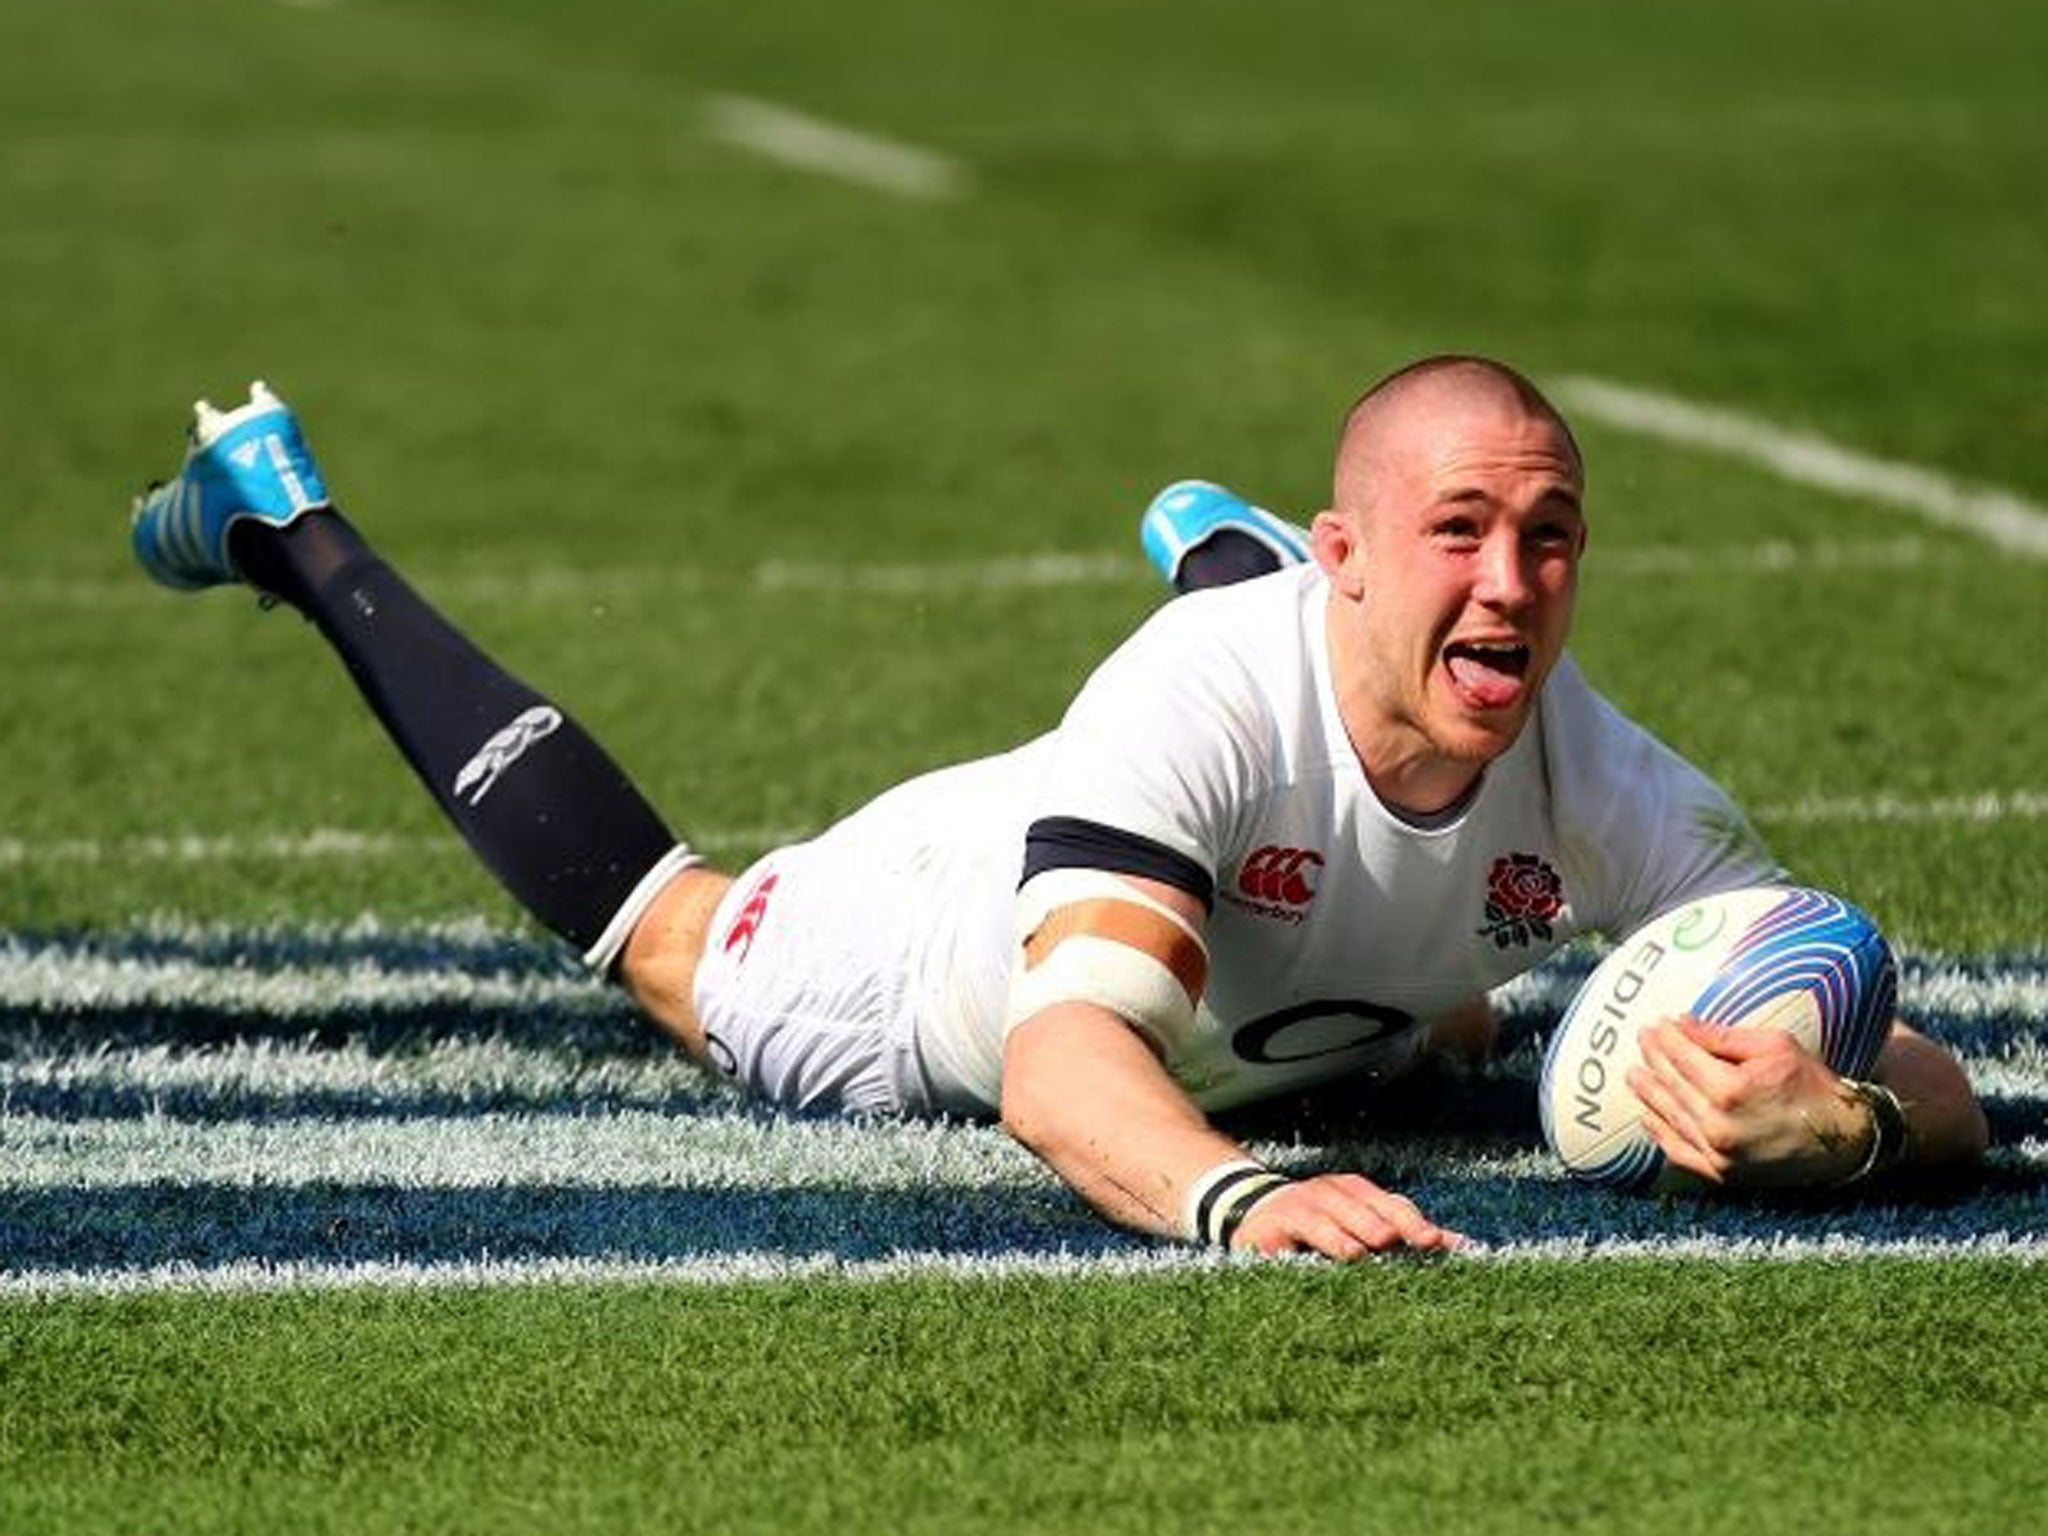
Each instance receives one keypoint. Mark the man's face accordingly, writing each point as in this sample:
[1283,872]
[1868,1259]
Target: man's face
[1461,574]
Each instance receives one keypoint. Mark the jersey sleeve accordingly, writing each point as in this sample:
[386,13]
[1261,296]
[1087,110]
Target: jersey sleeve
[1644,827]
[1160,758]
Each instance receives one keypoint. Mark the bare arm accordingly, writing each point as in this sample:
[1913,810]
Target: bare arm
[1944,1122]
[1752,1108]
[1085,1092]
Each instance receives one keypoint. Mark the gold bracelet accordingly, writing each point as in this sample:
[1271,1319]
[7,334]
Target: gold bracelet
[1890,1135]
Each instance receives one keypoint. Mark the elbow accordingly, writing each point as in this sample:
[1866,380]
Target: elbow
[1962,1136]
[1020,1122]
[1032,1096]
[1022,1107]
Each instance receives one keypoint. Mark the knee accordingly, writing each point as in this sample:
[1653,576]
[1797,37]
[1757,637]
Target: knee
[659,965]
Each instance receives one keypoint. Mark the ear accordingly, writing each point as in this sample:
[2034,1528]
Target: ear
[1339,546]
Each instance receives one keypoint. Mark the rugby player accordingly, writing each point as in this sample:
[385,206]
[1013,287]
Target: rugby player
[1291,831]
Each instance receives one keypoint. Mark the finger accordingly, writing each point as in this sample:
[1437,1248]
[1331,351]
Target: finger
[1666,1080]
[1338,1240]
[1681,1135]
[1734,1045]
[1687,1065]
[1682,1151]
[1664,1101]
[1300,1231]
[1390,1220]
[1414,1230]
[1343,1216]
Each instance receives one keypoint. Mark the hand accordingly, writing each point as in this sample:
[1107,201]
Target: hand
[1748,1107]
[1341,1216]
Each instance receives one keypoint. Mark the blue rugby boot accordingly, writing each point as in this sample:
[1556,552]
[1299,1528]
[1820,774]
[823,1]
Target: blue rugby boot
[249,462]
[1190,514]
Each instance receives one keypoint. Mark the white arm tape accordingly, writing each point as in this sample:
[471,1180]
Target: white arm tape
[1087,968]
[1221,1198]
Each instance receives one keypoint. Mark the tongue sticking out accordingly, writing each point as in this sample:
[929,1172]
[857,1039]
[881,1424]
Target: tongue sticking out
[1486,682]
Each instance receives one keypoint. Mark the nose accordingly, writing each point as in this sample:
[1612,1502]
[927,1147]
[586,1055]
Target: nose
[1503,579]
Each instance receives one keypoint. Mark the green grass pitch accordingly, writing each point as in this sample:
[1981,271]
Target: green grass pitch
[790,485]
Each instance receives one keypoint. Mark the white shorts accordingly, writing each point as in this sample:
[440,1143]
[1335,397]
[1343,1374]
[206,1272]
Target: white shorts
[826,960]
[797,997]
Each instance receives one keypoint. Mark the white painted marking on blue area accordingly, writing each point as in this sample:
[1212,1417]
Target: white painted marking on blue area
[367,968]
[630,1147]
[196,1107]
[245,1277]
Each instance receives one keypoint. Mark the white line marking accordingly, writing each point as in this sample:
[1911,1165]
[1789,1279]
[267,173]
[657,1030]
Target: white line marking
[726,1269]
[618,1149]
[1992,806]
[932,578]
[319,843]
[1771,557]
[2009,521]
[918,580]
[467,1133]
[443,1070]
[1985,807]
[994,573]
[51,979]
[40,977]
[808,143]
[248,1276]
[194,848]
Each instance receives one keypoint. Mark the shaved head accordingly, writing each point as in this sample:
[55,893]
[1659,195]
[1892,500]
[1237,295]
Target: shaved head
[1392,415]
[1452,551]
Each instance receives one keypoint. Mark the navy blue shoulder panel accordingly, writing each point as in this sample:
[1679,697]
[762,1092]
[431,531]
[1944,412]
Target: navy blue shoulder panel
[1069,842]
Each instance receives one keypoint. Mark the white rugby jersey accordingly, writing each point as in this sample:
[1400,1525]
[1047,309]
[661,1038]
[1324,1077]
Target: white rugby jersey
[1338,928]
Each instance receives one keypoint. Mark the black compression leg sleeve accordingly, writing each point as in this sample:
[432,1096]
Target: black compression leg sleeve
[541,804]
[1226,556]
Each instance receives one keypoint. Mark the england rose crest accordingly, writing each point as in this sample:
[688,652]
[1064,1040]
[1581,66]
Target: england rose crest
[1523,898]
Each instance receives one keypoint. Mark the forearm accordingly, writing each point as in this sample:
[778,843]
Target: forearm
[1945,1127]
[1083,1092]
[1755,1108]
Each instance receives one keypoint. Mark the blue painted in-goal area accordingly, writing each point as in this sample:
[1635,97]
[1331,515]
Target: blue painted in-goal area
[188,1106]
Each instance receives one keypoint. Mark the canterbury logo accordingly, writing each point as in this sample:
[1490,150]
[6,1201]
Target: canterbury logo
[1280,875]
[741,935]
[503,750]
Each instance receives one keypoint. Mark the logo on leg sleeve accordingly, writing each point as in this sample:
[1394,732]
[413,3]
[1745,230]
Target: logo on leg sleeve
[504,749]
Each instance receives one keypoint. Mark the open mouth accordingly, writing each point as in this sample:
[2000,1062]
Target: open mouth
[1487,674]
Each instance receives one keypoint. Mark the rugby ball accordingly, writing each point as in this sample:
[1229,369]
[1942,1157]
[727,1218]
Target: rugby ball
[1781,957]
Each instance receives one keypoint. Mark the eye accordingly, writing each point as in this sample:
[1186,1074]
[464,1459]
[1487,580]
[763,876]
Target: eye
[1552,537]
[1456,530]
